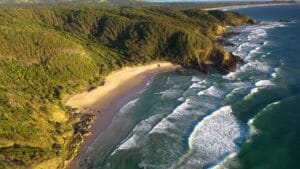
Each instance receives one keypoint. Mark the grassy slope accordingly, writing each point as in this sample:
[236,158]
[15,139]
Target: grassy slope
[47,53]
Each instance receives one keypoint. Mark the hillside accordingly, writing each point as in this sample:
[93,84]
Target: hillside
[67,1]
[48,53]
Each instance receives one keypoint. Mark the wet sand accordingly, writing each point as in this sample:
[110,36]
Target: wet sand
[105,101]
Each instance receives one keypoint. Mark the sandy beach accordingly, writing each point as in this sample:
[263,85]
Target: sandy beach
[105,101]
[116,84]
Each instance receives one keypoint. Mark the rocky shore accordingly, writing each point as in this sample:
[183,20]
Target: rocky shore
[222,61]
[82,129]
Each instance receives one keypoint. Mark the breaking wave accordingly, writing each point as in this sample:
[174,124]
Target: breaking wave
[214,138]
[202,124]
[212,91]
[168,122]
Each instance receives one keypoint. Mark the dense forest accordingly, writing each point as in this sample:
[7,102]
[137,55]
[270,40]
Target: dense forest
[49,52]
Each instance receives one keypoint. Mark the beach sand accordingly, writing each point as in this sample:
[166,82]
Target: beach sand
[120,87]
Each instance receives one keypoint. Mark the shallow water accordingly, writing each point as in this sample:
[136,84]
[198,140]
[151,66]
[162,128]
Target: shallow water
[246,119]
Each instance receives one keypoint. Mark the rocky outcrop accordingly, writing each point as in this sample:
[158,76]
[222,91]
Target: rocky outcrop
[49,52]
[230,65]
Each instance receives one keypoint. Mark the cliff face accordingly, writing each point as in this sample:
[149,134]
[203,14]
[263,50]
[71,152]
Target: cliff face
[47,53]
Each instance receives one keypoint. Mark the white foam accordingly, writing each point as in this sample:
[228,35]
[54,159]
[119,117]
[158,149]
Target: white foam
[252,129]
[275,103]
[264,83]
[256,34]
[147,85]
[251,43]
[138,133]
[255,65]
[199,84]
[271,104]
[171,93]
[196,79]
[212,91]
[130,143]
[282,25]
[181,99]
[165,124]
[222,164]
[196,85]
[231,75]
[180,114]
[255,50]
[260,85]
[252,66]
[234,91]
[276,72]
[247,48]
[214,137]
[126,107]
[243,49]
[236,87]
[123,112]
[253,91]
[266,42]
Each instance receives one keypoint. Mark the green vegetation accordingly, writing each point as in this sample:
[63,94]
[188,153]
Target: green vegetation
[50,52]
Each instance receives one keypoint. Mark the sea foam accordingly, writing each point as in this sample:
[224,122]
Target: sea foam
[264,83]
[137,136]
[212,91]
[258,86]
[165,124]
[214,138]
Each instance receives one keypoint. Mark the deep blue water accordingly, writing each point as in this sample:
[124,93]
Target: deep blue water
[247,119]
[277,142]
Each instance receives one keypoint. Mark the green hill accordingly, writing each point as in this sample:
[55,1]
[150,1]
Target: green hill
[50,52]
[67,1]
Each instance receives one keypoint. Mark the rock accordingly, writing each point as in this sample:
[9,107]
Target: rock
[87,117]
[230,65]
[85,123]
[225,42]
[253,22]
[85,133]
[231,33]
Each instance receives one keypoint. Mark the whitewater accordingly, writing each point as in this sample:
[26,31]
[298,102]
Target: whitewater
[191,120]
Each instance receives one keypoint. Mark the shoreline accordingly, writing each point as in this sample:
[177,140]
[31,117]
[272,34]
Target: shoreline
[226,8]
[120,87]
[104,102]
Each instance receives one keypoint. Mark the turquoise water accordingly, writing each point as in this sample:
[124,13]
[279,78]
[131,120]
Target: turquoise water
[246,119]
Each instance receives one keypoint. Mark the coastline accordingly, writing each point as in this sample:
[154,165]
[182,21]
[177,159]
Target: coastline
[104,102]
[226,8]
[70,55]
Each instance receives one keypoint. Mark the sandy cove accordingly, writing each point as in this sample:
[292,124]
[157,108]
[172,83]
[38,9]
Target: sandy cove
[120,87]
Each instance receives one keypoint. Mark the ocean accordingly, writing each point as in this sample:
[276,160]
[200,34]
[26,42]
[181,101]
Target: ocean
[249,118]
